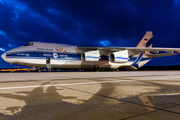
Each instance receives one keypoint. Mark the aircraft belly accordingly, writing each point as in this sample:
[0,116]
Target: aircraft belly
[54,63]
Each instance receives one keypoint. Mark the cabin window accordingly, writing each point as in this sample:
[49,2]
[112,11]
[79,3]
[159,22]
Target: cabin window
[29,44]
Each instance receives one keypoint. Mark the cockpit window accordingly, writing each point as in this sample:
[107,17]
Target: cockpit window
[29,44]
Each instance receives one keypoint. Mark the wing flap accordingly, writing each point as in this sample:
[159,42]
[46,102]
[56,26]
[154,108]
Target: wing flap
[159,55]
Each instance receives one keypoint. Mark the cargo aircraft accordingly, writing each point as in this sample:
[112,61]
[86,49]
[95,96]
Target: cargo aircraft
[51,55]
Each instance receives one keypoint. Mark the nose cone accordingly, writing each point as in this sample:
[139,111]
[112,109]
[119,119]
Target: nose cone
[3,56]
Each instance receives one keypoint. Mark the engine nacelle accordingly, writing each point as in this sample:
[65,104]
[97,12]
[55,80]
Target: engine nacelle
[91,56]
[120,56]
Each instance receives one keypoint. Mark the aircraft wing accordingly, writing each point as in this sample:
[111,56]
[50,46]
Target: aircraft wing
[142,49]
[134,50]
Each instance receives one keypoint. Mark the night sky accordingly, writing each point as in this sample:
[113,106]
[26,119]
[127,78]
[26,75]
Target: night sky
[91,23]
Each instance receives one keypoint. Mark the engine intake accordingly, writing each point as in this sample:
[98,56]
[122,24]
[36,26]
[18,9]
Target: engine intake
[120,56]
[91,56]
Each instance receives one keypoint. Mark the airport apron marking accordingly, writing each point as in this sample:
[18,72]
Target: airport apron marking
[86,83]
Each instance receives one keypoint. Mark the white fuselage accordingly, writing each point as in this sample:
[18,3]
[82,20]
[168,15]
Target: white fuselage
[61,56]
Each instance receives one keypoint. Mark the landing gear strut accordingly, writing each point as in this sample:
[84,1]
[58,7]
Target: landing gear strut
[38,69]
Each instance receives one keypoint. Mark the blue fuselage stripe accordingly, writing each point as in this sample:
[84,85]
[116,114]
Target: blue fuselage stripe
[43,55]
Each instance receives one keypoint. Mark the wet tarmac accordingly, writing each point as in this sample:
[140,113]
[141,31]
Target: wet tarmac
[137,95]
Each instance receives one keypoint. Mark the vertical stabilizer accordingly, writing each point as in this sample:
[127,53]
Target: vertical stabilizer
[146,41]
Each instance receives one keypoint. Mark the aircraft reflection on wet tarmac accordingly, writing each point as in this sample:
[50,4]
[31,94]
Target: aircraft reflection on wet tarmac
[64,96]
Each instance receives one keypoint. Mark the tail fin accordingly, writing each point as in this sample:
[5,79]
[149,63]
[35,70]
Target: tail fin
[146,41]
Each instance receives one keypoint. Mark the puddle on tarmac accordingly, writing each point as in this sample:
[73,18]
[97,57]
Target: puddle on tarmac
[154,102]
[10,106]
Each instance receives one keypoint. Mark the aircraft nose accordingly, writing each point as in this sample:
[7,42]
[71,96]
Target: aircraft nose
[3,56]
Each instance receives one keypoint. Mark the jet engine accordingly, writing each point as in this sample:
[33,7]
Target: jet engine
[91,56]
[120,56]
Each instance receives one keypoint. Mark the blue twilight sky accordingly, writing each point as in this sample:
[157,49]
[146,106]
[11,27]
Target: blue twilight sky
[91,23]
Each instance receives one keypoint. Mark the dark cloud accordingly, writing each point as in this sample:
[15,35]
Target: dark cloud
[89,23]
